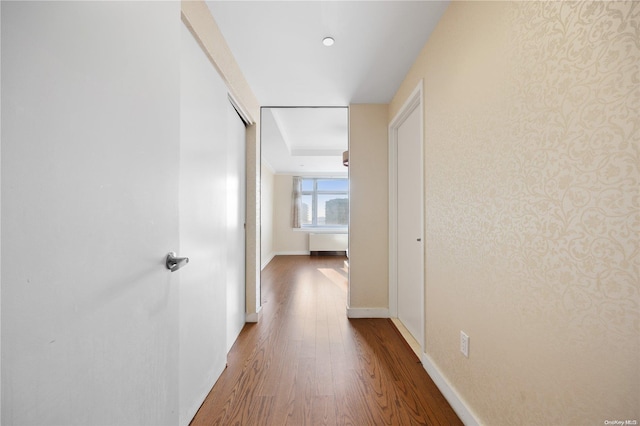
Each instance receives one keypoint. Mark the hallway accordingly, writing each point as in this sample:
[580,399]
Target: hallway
[305,363]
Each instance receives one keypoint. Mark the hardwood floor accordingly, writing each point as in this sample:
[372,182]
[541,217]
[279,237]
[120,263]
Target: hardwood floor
[305,363]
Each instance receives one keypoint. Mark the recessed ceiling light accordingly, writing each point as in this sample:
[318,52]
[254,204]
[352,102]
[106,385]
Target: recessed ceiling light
[328,41]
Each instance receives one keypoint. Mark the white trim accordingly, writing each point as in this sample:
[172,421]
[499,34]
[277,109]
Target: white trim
[285,253]
[1,228]
[266,262]
[322,230]
[415,100]
[244,115]
[468,417]
[393,223]
[335,175]
[253,317]
[195,406]
[367,312]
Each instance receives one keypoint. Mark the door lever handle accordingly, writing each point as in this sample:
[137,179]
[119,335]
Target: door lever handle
[173,263]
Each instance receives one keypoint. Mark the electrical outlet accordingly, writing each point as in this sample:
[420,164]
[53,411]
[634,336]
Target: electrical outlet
[464,343]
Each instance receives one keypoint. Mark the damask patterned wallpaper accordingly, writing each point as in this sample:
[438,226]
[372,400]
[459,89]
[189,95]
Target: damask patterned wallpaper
[532,180]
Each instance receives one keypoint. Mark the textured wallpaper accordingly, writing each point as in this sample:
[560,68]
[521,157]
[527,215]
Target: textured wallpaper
[577,80]
[532,179]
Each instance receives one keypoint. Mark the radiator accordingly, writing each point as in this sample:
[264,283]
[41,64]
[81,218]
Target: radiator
[328,242]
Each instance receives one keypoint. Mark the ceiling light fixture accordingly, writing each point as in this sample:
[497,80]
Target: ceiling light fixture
[328,41]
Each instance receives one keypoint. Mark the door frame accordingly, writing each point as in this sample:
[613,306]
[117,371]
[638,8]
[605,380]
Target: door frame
[415,100]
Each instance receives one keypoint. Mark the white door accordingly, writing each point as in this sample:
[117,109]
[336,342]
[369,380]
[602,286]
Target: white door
[205,151]
[410,266]
[90,165]
[236,193]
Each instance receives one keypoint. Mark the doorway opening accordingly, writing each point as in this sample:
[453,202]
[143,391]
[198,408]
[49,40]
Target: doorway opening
[304,182]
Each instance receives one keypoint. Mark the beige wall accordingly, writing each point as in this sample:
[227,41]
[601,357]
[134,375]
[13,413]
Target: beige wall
[532,208]
[267,182]
[197,17]
[285,239]
[369,216]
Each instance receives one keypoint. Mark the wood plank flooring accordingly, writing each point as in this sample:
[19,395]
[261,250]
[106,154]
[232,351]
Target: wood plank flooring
[305,363]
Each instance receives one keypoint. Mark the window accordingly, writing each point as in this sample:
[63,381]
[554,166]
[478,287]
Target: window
[325,203]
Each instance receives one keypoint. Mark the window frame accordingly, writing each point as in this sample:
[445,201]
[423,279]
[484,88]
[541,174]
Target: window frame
[314,193]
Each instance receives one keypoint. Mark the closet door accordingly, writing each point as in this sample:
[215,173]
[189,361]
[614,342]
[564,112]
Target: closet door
[204,225]
[410,227]
[236,218]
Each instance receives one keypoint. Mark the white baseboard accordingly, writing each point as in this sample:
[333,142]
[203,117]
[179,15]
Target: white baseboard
[457,403]
[367,312]
[266,262]
[253,316]
[282,253]
[187,415]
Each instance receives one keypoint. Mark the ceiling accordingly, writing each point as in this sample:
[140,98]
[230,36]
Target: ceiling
[305,141]
[278,45]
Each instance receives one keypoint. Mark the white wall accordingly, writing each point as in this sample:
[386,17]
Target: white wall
[267,180]
[90,131]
